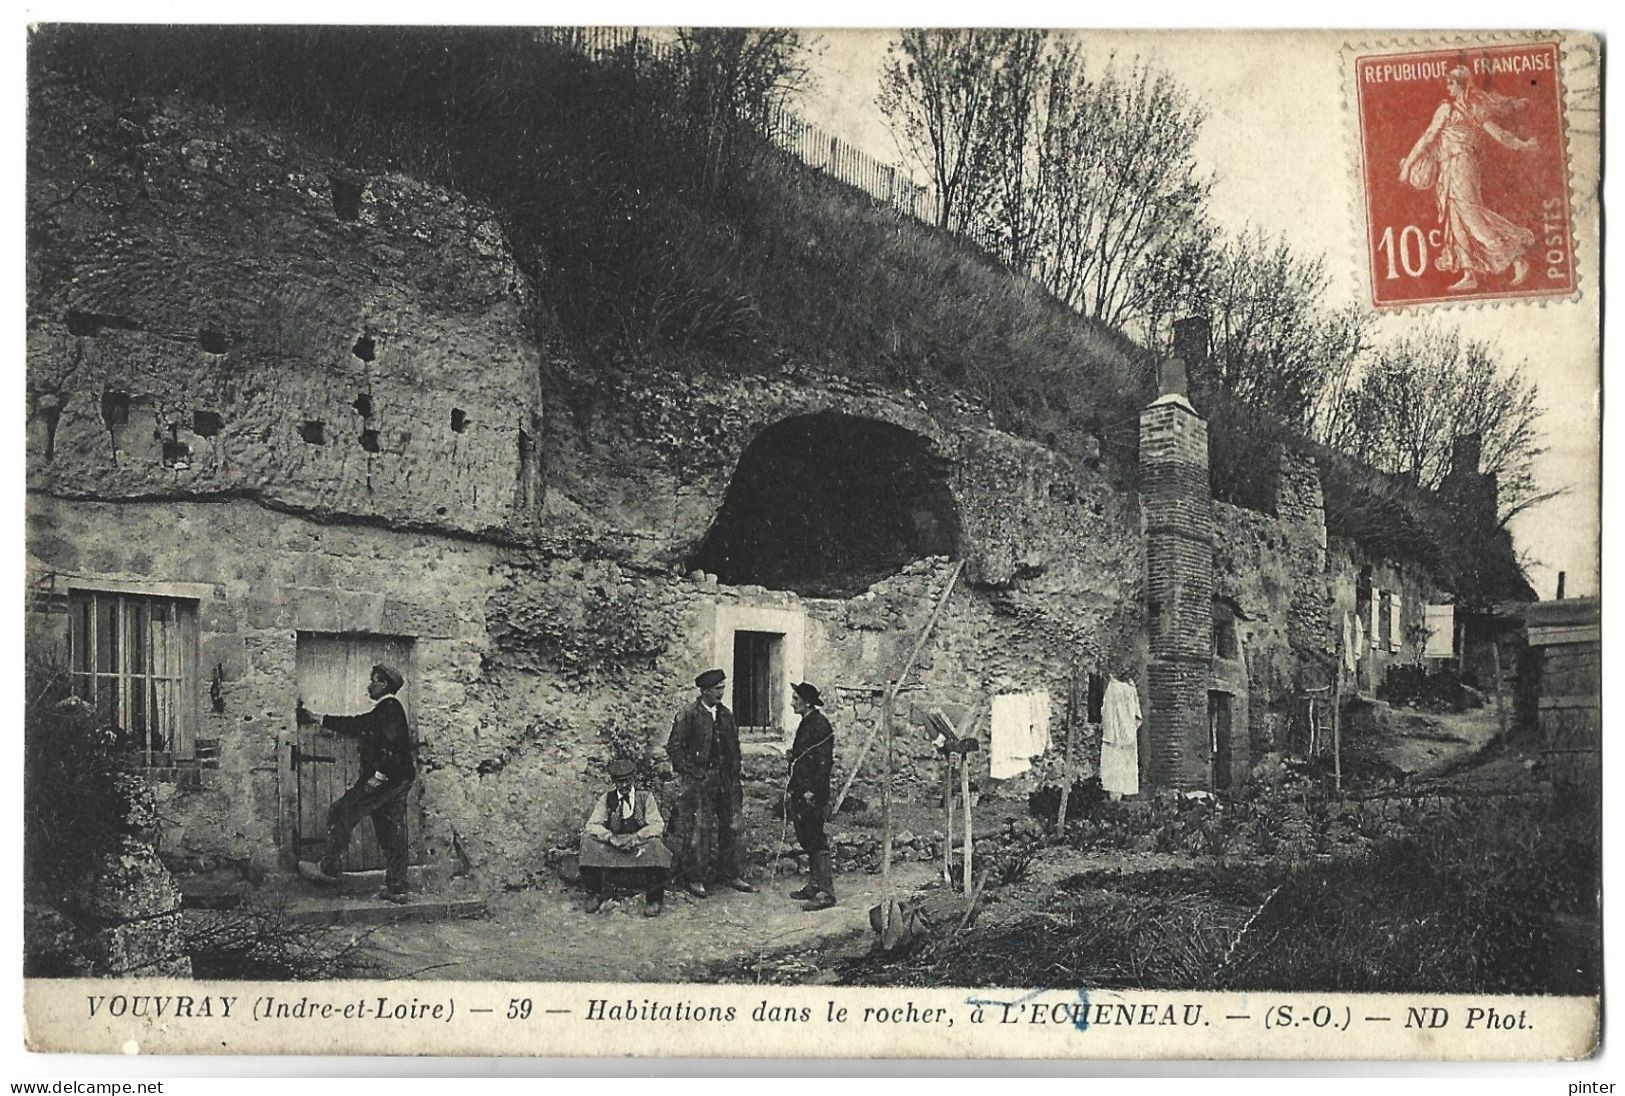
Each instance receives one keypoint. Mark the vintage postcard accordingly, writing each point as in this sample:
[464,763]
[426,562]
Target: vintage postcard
[773,542]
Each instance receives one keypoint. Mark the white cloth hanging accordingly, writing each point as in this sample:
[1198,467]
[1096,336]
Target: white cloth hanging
[1441,624]
[1120,739]
[1020,732]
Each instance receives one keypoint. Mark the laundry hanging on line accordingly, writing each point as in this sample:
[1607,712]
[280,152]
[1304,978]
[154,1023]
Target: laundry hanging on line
[1020,732]
[1120,739]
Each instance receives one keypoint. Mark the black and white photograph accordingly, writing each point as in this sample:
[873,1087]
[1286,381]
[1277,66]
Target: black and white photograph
[812,542]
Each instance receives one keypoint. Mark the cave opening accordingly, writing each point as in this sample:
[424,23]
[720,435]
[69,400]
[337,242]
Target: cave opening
[828,504]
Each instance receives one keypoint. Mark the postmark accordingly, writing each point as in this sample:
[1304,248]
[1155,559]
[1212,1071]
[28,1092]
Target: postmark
[1464,173]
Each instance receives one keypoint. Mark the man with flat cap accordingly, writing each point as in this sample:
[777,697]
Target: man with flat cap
[704,749]
[387,772]
[812,757]
[620,844]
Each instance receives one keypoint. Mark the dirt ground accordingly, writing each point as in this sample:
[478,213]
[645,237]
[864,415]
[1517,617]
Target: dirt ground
[1422,742]
[544,935]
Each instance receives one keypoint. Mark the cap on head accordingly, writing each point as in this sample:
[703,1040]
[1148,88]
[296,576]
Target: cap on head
[390,675]
[809,693]
[621,768]
[710,678]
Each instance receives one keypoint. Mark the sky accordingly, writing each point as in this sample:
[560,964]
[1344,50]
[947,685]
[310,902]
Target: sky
[1280,143]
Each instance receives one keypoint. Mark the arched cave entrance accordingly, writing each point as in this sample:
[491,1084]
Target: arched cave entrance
[827,504]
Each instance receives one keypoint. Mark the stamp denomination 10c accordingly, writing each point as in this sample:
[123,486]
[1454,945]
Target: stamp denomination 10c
[1465,175]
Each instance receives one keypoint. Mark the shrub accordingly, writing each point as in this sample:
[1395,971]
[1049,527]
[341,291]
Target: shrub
[72,811]
[261,941]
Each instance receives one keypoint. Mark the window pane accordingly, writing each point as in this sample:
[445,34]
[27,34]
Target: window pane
[106,701]
[80,617]
[106,634]
[163,736]
[135,690]
[159,638]
[135,635]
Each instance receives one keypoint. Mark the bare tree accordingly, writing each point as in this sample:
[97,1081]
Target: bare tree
[1015,215]
[1276,344]
[1126,188]
[732,77]
[1426,389]
[936,89]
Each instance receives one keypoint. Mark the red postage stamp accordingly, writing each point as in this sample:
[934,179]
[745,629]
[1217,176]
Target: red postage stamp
[1465,172]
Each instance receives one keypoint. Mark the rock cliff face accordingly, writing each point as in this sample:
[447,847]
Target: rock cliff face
[216,312]
[310,403]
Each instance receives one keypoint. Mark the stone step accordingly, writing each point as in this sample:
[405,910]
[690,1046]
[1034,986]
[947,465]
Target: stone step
[344,909]
[420,876]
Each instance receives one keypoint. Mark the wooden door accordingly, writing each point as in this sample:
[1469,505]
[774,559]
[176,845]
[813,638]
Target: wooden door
[333,671]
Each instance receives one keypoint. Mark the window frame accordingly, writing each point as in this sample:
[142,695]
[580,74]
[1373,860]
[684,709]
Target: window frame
[138,607]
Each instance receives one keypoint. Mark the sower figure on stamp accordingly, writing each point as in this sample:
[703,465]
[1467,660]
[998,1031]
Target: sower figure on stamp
[812,757]
[1446,159]
[387,772]
[620,844]
[704,749]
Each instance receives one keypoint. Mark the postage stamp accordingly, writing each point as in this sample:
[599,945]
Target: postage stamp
[1464,174]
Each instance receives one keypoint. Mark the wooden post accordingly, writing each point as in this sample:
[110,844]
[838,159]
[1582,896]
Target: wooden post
[1337,729]
[891,690]
[1500,703]
[964,787]
[948,819]
[1066,763]
[885,816]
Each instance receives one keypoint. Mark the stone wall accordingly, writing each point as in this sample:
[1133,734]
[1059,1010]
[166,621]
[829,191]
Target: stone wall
[266,578]
[1291,588]
[207,319]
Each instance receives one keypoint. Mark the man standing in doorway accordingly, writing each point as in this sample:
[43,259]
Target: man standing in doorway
[812,757]
[387,772]
[704,749]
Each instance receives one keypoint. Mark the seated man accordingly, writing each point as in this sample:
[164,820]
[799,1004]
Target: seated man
[621,845]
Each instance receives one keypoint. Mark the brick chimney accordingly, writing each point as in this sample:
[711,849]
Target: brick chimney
[1177,506]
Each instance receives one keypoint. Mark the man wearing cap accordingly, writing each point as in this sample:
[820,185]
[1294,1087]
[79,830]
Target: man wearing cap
[620,844]
[387,772]
[704,749]
[812,757]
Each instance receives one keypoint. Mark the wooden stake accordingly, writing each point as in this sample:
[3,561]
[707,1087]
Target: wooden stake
[963,732]
[1337,731]
[1066,761]
[885,816]
[964,787]
[1500,703]
[891,690]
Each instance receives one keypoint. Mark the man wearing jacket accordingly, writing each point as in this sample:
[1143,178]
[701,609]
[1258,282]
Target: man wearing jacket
[387,772]
[704,749]
[812,757]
